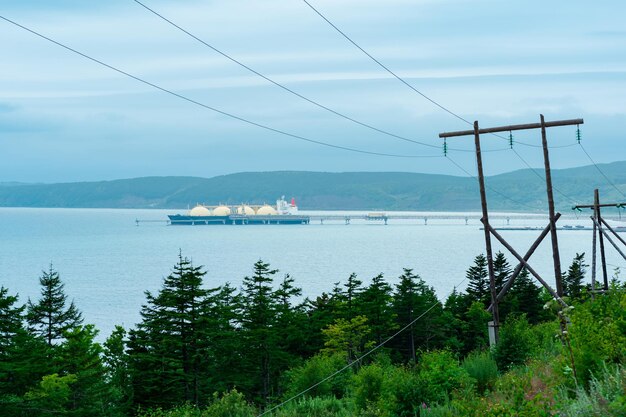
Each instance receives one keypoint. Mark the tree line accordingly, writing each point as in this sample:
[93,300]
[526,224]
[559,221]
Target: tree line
[260,342]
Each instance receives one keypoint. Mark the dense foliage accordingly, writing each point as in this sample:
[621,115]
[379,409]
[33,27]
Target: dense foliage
[217,352]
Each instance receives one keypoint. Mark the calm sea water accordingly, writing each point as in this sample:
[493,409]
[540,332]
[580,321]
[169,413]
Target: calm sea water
[107,262]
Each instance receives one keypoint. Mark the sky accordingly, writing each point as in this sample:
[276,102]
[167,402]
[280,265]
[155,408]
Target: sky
[64,118]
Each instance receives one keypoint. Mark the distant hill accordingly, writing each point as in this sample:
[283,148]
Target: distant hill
[326,191]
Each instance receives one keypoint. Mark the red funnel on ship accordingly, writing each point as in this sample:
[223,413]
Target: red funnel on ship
[293,202]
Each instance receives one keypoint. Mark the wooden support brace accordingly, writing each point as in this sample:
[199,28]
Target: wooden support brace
[613,231]
[525,264]
[520,266]
[608,237]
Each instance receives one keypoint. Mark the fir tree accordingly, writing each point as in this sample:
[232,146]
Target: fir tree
[478,280]
[11,317]
[411,299]
[23,358]
[524,297]
[258,329]
[49,318]
[79,355]
[574,277]
[116,362]
[167,347]
[502,272]
[375,304]
[350,297]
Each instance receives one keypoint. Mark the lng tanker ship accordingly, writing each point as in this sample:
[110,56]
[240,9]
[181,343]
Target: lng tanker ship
[282,213]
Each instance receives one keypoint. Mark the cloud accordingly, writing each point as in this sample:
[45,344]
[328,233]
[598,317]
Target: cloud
[469,56]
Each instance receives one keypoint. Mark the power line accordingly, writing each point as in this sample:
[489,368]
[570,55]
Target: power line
[366,354]
[600,171]
[406,83]
[284,87]
[383,66]
[542,178]
[490,188]
[192,101]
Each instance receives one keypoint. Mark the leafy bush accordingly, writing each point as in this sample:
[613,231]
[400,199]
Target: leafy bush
[315,407]
[315,370]
[402,392]
[516,344]
[483,368]
[598,333]
[367,384]
[440,375]
[230,404]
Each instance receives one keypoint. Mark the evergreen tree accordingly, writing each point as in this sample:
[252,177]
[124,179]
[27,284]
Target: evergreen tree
[524,297]
[11,317]
[79,355]
[502,272]
[167,347]
[478,281]
[574,277]
[49,318]
[411,299]
[258,319]
[116,362]
[291,322]
[350,297]
[375,304]
[23,358]
[322,312]
[221,312]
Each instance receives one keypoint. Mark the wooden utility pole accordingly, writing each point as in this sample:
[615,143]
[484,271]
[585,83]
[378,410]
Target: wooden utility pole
[553,235]
[490,231]
[599,225]
[483,201]
[597,216]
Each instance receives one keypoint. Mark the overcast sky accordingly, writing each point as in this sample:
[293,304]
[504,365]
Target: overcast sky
[64,118]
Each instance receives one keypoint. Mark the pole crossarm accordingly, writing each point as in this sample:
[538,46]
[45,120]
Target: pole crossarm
[592,206]
[510,128]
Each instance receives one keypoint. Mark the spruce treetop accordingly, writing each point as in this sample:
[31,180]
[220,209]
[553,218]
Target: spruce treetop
[49,318]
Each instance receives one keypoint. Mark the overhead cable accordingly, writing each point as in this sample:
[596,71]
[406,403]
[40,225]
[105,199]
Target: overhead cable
[224,113]
[600,171]
[572,200]
[292,91]
[402,80]
[519,203]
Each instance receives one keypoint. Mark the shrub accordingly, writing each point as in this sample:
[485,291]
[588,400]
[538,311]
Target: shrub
[440,375]
[315,370]
[483,368]
[315,407]
[516,343]
[230,404]
[598,333]
[606,396]
[367,385]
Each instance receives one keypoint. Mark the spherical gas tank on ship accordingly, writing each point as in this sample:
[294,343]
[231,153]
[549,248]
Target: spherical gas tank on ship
[245,210]
[199,211]
[266,211]
[221,211]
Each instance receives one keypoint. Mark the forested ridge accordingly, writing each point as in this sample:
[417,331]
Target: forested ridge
[240,351]
[326,190]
